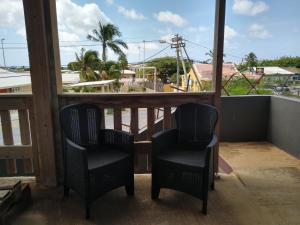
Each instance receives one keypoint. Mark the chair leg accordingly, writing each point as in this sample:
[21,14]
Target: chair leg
[129,190]
[87,211]
[155,192]
[204,207]
[212,186]
[66,191]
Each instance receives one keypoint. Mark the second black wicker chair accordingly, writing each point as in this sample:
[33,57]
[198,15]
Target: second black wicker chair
[95,160]
[182,158]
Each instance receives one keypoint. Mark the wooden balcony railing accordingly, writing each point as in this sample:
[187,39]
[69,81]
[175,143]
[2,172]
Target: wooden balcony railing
[18,157]
[17,142]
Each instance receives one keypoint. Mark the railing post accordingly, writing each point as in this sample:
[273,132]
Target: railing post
[43,48]
[218,65]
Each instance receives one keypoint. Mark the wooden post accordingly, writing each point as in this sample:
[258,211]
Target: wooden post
[43,48]
[218,65]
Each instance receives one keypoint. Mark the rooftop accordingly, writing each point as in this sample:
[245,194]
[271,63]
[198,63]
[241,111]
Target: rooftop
[205,71]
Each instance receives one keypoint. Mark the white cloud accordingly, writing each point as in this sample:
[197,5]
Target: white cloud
[68,37]
[259,31]
[130,13]
[136,48]
[197,29]
[169,17]
[229,33]
[249,8]
[74,21]
[167,37]
[78,19]
[110,2]
[12,16]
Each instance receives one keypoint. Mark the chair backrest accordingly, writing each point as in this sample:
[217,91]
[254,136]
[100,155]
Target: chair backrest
[195,122]
[81,123]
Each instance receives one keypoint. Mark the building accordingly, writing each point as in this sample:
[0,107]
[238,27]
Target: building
[204,76]
[11,82]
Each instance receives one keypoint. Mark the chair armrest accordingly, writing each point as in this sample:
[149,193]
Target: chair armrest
[163,139]
[76,165]
[120,139]
[210,150]
[213,141]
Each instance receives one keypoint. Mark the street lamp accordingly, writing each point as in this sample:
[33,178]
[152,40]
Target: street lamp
[3,52]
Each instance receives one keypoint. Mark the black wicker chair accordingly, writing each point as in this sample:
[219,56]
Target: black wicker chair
[95,160]
[182,158]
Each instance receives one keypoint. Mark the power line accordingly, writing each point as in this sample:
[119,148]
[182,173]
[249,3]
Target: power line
[200,45]
[157,53]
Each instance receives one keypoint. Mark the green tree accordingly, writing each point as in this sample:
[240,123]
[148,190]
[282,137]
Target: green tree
[251,60]
[167,66]
[210,54]
[123,63]
[106,35]
[85,60]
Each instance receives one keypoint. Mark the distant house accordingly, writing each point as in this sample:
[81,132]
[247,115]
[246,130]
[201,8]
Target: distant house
[295,71]
[204,74]
[128,74]
[101,85]
[275,73]
[11,82]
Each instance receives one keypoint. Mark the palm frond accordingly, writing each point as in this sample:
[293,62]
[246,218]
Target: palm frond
[120,42]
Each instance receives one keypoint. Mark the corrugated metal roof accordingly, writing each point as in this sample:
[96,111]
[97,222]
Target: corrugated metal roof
[93,83]
[12,80]
[205,70]
[272,70]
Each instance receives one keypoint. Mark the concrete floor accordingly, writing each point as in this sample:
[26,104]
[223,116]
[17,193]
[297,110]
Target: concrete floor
[264,188]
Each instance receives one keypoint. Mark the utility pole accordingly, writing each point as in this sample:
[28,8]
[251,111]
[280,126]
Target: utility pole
[177,43]
[144,59]
[3,52]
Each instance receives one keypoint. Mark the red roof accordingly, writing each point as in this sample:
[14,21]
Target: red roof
[205,70]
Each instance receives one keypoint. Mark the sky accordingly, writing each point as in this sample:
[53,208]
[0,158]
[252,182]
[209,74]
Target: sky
[268,28]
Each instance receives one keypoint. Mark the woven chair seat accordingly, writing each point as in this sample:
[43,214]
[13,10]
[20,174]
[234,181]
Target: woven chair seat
[98,159]
[184,157]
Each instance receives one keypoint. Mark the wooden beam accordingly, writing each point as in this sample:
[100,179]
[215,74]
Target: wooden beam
[42,40]
[15,152]
[218,64]
[137,100]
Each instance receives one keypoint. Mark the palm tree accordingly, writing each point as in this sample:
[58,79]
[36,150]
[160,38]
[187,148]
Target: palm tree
[123,63]
[106,35]
[86,60]
[210,54]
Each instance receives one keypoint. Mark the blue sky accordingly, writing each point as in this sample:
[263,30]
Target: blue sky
[269,28]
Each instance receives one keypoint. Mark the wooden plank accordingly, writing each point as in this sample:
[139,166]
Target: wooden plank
[15,152]
[11,166]
[25,139]
[117,119]
[167,118]
[34,151]
[13,101]
[41,29]
[27,166]
[6,127]
[134,121]
[142,157]
[150,122]
[137,100]
[218,66]
[24,126]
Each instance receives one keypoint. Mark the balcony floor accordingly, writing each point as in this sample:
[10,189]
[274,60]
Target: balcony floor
[262,189]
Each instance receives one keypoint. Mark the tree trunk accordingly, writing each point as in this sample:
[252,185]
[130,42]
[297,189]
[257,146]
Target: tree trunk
[104,53]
